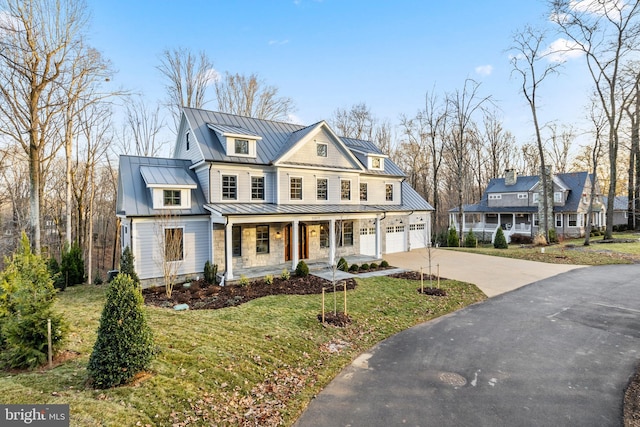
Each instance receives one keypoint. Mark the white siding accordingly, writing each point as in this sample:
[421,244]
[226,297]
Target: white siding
[202,173]
[244,174]
[376,189]
[309,179]
[180,151]
[148,236]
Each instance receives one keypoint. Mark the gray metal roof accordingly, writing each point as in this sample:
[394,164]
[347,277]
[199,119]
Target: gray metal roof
[230,209]
[620,203]
[134,198]
[167,176]
[233,130]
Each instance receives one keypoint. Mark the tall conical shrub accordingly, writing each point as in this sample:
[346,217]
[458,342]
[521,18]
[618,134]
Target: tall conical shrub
[452,238]
[124,345]
[500,242]
[127,265]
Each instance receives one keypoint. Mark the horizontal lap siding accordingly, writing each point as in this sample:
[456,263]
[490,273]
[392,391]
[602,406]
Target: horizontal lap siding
[148,238]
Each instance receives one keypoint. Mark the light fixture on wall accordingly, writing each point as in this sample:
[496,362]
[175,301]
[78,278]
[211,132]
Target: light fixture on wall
[278,235]
[313,233]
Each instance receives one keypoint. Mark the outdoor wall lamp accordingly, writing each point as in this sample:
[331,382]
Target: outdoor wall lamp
[278,235]
[313,233]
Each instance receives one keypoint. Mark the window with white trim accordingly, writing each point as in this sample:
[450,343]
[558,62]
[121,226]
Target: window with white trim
[558,220]
[229,187]
[241,147]
[295,188]
[345,189]
[557,197]
[536,197]
[324,235]
[536,220]
[495,196]
[257,188]
[363,191]
[573,220]
[322,185]
[262,239]
[389,192]
[523,195]
[321,149]
[171,197]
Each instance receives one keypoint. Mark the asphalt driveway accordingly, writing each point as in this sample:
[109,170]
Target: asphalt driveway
[558,352]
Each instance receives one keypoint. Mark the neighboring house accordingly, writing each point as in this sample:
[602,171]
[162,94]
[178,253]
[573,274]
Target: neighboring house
[242,192]
[512,204]
[620,209]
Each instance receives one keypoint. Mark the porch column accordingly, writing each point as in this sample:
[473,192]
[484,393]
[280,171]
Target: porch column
[211,240]
[228,250]
[464,216]
[295,250]
[378,238]
[513,222]
[332,241]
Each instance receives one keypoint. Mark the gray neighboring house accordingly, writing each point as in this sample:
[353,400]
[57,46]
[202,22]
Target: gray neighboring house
[241,193]
[511,203]
[620,210]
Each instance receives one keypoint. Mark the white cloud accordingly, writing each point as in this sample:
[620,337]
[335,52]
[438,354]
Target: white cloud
[562,50]
[278,42]
[292,118]
[211,76]
[484,70]
[597,7]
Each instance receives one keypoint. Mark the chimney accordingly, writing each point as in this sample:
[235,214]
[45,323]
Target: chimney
[510,177]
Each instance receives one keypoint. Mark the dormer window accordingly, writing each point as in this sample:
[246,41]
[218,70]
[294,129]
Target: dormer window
[242,147]
[187,140]
[172,198]
[376,163]
[321,149]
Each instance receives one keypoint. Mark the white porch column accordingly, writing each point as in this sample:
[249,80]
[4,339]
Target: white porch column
[295,250]
[228,245]
[378,237]
[513,222]
[464,216]
[332,241]
[211,240]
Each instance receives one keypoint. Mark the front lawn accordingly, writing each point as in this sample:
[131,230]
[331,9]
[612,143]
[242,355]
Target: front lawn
[571,251]
[256,364]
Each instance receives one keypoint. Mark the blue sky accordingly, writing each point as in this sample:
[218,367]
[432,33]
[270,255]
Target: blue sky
[335,53]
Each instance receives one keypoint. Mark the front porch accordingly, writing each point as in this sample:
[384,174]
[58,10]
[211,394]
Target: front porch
[318,267]
[485,225]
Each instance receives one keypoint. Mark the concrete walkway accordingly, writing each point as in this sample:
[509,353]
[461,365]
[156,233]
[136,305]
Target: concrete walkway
[493,275]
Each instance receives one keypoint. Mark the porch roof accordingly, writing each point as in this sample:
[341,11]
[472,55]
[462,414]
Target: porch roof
[230,209]
[482,208]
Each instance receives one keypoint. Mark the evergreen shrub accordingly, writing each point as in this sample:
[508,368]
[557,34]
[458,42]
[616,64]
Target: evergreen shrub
[302,269]
[500,242]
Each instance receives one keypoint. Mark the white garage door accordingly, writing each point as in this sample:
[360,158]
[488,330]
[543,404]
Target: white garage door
[396,240]
[368,241]
[418,236]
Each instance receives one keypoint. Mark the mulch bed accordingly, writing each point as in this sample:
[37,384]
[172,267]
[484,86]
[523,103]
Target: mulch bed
[631,411]
[339,319]
[415,275]
[200,295]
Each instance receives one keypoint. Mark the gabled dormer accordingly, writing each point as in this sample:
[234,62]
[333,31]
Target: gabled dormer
[170,187]
[375,162]
[236,141]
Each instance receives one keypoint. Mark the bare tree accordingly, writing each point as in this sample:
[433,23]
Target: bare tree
[142,129]
[463,105]
[632,108]
[188,76]
[528,46]
[36,42]
[599,128]
[561,141]
[608,34]
[499,143]
[358,122]
[250,96]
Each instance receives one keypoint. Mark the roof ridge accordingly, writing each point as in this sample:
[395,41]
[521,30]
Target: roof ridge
[240,115]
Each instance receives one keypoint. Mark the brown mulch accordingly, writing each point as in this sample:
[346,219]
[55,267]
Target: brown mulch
[414,275]
[339,319]
[631,411]
[200,295]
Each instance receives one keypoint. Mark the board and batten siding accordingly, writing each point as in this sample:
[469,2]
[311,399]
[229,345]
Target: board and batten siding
[336,156]
[148,236]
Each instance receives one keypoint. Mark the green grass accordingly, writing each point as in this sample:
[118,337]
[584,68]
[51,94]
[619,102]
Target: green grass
[259,363]
[571,251]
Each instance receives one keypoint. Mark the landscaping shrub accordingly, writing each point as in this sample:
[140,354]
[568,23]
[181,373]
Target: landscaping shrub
[268,279]
[285,275]
[353,267]
[470,240]
[124,345]
[521,239]
[452,238]
[72,265]
[441,238]
[384,264]
[500,242]
[364,267]
[373,266]
[210,273]
[97,280]
[343,265]
[243,280]
[127,265]
[302,269]
[553,236]
[27,296]
[539,239]
[54,271]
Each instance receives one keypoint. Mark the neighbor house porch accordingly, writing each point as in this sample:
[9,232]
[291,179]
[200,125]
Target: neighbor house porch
[485,224]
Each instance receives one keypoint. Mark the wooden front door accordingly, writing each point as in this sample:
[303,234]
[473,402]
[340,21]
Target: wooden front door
[303,242]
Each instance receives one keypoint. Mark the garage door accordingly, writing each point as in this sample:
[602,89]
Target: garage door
[396,239]
[418,236]
[368,241]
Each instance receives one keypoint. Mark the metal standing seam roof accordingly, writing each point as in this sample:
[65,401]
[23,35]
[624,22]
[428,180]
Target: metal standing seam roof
[620,203]
[134,198]
[167,176]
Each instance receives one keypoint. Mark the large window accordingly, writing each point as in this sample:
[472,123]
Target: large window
[172,197]
[536,220]
[389,192]
[296,188]
[345,189]
[262,239]
[345,233]
[557,197]
[242,146]
[558,220]
[236,240]
[324,235]
[257,188]
[173,244]
[363,191]
[229,187]
[321,189]
[321,149]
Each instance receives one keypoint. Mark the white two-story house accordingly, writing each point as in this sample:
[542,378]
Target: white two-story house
[241,192]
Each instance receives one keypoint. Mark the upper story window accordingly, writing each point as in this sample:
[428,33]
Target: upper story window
[376,163]
[389,192]
[523,195]
[345,189]
[321,189]
[557,197]
[536,197]
[229,187]
[495,196]
[172,197]
[295,187]
[363,191]
[257,188]
[321,149]
[188,142]
[242,147]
